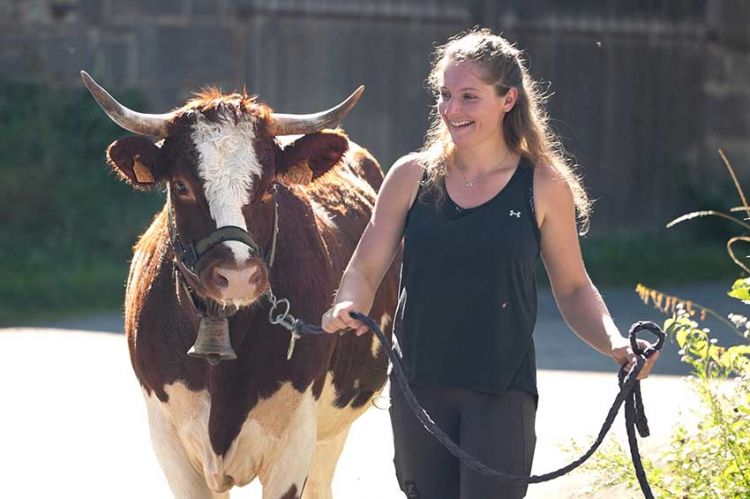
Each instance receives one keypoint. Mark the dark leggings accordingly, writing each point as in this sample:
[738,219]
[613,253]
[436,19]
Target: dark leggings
[496,429]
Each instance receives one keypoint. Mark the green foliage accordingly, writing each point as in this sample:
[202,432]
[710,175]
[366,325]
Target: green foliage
[623,260]
[711,456]
[712,459]
[741,290]
[66,223]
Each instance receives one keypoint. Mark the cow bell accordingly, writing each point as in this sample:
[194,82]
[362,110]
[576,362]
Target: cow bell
[212,342]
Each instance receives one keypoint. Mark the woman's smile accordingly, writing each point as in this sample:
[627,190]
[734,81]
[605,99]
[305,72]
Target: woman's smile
[460,124]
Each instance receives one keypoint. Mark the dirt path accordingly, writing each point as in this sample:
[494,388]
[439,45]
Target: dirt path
[77,426]
[74,424]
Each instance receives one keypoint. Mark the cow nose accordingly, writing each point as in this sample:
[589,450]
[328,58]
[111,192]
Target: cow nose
[237,283]
[219,279]
[256,276]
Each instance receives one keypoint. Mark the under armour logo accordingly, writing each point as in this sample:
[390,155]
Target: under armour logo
[516,214]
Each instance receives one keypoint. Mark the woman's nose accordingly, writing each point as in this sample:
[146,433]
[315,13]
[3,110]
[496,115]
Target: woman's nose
[450,108]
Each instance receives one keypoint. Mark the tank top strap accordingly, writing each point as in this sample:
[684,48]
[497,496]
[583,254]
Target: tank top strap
[529,184]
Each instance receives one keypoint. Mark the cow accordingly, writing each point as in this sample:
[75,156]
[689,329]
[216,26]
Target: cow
[258,204]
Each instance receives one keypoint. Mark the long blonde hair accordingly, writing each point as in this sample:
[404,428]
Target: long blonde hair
[526,127]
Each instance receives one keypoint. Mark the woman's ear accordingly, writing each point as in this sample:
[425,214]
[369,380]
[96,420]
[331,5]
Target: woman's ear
[509,99]
[135,160]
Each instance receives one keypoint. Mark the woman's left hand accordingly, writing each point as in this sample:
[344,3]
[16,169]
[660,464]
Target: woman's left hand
[624,356]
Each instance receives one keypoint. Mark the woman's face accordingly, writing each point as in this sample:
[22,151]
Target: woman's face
[470,108]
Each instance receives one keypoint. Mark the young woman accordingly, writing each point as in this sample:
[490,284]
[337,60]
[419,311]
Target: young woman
[489,191]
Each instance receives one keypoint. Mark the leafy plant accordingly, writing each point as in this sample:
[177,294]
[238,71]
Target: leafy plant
[66,223]
[711,457]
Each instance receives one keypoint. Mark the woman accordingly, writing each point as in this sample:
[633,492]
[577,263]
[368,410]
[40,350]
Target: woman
[489,191]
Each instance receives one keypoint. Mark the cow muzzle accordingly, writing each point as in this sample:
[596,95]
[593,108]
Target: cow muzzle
[235,285]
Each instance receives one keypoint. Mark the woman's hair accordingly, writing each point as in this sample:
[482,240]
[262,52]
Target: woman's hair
[526,127]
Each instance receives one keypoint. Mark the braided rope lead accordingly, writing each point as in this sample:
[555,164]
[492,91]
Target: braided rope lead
[630,394]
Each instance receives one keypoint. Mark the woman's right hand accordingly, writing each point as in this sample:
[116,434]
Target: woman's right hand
[338,319]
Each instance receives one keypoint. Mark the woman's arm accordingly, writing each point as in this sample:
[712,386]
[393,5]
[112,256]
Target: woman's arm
[579,301]
[376,248]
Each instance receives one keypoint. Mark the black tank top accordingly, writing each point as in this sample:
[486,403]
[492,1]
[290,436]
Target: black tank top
[468,293]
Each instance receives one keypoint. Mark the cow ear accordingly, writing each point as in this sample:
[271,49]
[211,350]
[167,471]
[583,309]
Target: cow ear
[311,156]
[136,160]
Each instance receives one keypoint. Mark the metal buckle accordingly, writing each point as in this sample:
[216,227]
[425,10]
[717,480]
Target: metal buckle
[283,318]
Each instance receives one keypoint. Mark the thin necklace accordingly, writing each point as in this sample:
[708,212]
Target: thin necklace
[470,183]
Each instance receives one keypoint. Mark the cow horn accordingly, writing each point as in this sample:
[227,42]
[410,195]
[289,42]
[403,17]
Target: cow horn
[292,124]
[154,125]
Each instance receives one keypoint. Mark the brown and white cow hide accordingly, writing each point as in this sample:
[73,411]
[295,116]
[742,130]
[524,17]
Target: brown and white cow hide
[282,421]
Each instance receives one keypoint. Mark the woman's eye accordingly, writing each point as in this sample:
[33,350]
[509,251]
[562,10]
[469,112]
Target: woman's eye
[181,187]
[445,96]
[469,97]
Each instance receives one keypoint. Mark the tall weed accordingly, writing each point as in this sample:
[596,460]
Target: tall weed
[711,457]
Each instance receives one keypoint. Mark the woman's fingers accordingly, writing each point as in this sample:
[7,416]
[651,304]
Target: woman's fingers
[331,323]
[648,365]
[625,357]
[650,361]
[338,318]
[362,329]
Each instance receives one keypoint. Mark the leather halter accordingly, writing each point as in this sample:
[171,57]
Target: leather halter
[189,257]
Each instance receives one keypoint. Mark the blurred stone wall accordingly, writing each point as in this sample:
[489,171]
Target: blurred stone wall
[644,91]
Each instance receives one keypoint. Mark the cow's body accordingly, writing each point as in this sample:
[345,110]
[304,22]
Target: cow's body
[283,421]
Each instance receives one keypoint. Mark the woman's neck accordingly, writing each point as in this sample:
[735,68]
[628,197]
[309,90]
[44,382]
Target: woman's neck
[483,158]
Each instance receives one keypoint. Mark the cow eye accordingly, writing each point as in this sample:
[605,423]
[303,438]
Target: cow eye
[180,187]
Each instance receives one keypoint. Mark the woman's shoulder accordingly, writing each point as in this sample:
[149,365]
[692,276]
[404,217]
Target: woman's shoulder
[552,191]
[547,177]
[402,179]
[408,165]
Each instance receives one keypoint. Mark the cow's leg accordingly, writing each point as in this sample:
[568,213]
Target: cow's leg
[286,477]
[182,477]
[326,456]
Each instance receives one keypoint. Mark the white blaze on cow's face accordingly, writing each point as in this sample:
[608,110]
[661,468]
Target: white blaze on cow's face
[228,166]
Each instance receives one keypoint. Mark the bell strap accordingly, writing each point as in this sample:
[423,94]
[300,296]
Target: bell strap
[191,255]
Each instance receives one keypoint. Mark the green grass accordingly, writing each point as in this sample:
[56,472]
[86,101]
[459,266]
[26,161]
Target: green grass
[66,223]
[32,296]
[654,259]
[657,259]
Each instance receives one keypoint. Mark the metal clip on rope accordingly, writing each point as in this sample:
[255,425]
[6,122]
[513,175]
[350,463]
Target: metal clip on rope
[283,318]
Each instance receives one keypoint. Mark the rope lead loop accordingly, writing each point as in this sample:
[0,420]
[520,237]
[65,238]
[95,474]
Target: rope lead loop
[651,328]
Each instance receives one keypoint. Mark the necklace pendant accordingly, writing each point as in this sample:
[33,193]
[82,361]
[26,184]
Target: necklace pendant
[468,184]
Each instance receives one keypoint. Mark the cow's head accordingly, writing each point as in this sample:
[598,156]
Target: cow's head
[218,158]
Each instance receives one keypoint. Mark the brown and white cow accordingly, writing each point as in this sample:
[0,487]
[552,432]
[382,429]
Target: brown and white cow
[224,163]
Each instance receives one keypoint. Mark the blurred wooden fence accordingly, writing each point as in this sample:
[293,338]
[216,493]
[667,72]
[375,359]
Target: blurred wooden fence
[644,91]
